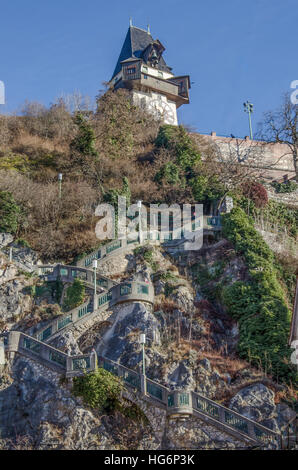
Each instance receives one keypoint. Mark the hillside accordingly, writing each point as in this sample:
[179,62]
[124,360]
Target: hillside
[217,320]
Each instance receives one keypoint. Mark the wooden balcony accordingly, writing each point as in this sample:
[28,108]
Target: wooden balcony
[133,78]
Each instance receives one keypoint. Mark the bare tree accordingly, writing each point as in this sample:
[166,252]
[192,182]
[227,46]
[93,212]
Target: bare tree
[232,162]
[281,126]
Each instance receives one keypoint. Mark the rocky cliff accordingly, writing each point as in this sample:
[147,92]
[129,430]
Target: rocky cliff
[190,345]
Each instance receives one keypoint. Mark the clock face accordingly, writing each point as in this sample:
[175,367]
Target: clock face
[161,110]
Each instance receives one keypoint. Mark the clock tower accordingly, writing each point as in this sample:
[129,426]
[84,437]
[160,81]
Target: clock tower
[142,69]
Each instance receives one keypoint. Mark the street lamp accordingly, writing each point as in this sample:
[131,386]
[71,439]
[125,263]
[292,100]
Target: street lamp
[139,203]
[142,342]
[248,108]
[94,264]
[60,184]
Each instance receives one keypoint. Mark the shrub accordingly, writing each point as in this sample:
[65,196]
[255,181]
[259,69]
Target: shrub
[22,242]
[84,142]
[185,169]
[75,294]
[287,187]
[99,389]
[168,173]
[259,304]
[146,253]
[186,155]
[177,139]
[274,213]
[256,192]
[9,213]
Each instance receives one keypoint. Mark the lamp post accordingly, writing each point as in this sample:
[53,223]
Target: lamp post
[139,203]
[248,108]
[60,184]
[143,341]
[94,264]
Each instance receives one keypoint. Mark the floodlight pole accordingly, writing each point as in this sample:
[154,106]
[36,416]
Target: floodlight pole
[140,222]
[143,341]
[94,264]
[60,184]
[248,108]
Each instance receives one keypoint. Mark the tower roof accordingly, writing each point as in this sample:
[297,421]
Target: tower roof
[136,41]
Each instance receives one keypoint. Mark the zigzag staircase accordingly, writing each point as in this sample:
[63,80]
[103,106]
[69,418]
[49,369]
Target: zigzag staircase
[108,293]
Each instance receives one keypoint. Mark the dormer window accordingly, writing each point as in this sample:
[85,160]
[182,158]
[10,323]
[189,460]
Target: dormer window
[154,58]
[131,70]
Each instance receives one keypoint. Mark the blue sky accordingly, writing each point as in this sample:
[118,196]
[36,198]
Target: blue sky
[233,51]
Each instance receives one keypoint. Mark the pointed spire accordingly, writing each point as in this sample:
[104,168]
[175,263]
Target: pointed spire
[130,21]
[148,28]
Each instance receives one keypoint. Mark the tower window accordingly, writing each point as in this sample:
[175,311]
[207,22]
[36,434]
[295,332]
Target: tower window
[130,70]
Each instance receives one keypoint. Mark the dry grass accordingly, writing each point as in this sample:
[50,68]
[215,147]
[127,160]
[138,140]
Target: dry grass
[28,143]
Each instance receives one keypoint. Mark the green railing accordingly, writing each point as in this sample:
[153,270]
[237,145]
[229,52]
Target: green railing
[45,334]
[183,399]
[207,407]
[81,363]
[261,435]
[221,414]
[83,311]
[93,256]
[102,282]
[236,422]
[110,367]
[135,240]
[58,358]
[125,289]
[132,379]
[103,299]
[32,345]
[64,321]
[154,390]
[113,247]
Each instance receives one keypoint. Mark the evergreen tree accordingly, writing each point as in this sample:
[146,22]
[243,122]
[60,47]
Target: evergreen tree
[9,213]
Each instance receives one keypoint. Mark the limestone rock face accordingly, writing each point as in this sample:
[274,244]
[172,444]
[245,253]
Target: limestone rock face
[13,300]
[257,403]
[117,264]
[66,342]
[8,271]
[180,376]
[195,434]
[184,298]
[25,257]
[5,239]
[121,342]
[46,415]
[45,412]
